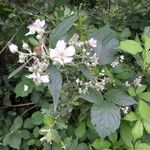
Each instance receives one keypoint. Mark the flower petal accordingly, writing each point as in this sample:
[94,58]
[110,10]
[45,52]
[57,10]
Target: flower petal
[70,51]
[53,53]
[59,60]
[31,76]
[68,60]
[61,45]
[44,79]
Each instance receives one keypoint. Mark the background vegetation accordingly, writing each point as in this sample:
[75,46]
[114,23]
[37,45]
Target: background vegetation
[23,116]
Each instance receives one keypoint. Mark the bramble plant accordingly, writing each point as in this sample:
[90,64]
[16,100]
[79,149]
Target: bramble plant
[89,86]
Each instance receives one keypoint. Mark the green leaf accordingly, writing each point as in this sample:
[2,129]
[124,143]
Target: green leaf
[141,89]
[55,84]
[146,40]
[100,144]
[144,110]
[131,91]
[48,120]
[146,57]
[130,46]
[131,116]
[36,132]
[137,130]
[106,44]
[25,134]
[73,145]
[93,96]
[119,97]
[126,135]
[146,125]
[24,88]
[145,96]
[37,118]
[106,118]
[33,41]
[113,137]
[82,146]
[87,73]
[17,124]
[58,32]
[31,142]
[142,146]
[28,124]
[147,31]
[13,140]
[80,130]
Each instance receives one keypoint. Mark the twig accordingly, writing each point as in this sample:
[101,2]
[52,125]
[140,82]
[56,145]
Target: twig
[8,43]
[18,105]
[28,110]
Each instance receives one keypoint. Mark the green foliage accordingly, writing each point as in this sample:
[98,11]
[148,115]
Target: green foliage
[59,117]
[37,118]
[106,44]
[106,117]
[55,84]
[60,30]
[130,46]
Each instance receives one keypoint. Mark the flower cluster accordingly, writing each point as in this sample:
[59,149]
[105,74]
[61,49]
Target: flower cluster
[118,60]
[38,58]
[136,82]
[100,83]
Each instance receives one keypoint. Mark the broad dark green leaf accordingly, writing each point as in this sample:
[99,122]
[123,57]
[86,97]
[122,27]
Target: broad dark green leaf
[119,97]
[93,96]
[55,84]
[13,139]
[61,29]
[106,44]
[106,118]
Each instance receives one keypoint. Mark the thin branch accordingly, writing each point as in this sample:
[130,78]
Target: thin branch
[18,105]
[8,43]
[28,110]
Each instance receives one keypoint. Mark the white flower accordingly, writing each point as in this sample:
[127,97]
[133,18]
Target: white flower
[127,84]
[38,79]
[125,110]
[13,48]
[25,46]
[37,26]
[137,81]
[92,42]
[79,44]
[122,57]
[25,88]
[115,63]
[22,57]
[61,53]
